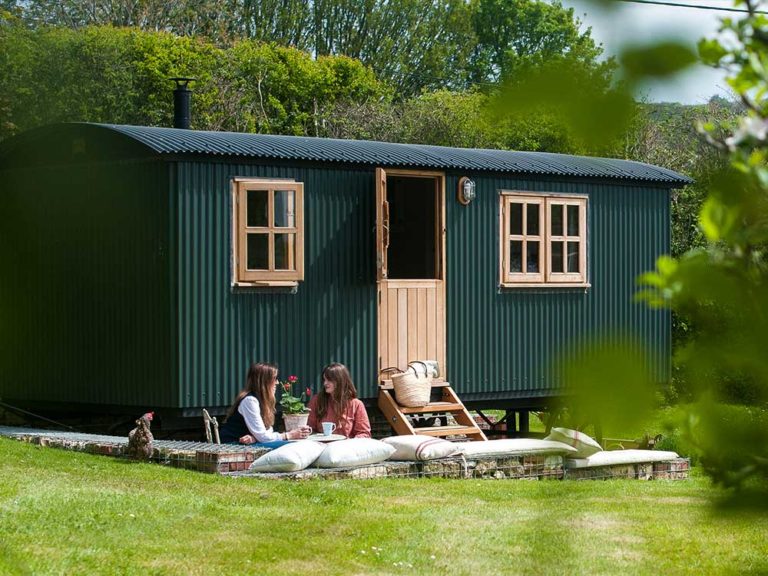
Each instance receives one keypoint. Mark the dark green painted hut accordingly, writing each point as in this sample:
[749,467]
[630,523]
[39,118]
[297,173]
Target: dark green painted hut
[147,267]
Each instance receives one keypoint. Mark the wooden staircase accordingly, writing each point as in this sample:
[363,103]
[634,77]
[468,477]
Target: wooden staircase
[401,418]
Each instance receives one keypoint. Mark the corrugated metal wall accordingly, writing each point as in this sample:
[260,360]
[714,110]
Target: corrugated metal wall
[332,315]
[84,299]
[500,343]
[503,343]
[111,295]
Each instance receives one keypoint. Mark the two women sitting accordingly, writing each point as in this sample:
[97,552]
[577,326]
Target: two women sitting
[251,417]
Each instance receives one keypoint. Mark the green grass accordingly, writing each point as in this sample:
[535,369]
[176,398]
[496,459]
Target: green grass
[69,513]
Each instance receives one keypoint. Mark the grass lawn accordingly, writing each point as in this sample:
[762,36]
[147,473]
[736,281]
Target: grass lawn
[70,513]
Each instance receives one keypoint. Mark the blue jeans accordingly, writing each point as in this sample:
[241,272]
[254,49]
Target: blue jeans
[271,445]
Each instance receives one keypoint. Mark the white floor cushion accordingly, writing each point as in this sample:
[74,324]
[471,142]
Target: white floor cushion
[617,457]
[516,446]
[420,447]
[585,445]
[354,452]
[289,457]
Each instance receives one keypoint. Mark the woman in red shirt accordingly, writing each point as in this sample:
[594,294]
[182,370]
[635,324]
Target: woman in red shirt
[337,402]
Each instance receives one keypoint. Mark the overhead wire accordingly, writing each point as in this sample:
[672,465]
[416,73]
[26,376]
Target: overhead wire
[696,6]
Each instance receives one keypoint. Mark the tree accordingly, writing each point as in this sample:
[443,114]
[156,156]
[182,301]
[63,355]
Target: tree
[285,22]
[103,74]
[524,34]
[666,135]
[414,45]
[445,118]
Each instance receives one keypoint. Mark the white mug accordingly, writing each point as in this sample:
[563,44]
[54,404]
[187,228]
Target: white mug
[328,428]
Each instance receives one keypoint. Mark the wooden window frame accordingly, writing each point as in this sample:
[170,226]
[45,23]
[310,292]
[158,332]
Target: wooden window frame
[545,277]
[240,230]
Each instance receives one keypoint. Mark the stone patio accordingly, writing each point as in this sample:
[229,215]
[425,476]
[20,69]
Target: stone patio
[235,460]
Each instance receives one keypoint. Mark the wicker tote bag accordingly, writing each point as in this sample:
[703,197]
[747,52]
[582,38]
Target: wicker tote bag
[412,386]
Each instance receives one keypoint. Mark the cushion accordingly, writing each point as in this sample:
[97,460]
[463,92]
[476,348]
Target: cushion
[585,446]
[616,457]
[516,446]
[289,457]
[419,447]
[354,452]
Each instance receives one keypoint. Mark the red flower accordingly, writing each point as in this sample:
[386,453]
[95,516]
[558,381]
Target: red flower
[309,392]
[293,379]
[287,386]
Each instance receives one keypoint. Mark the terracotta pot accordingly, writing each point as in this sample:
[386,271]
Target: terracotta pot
[293,421]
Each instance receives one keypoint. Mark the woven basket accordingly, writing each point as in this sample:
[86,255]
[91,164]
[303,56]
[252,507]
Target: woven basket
[412,389]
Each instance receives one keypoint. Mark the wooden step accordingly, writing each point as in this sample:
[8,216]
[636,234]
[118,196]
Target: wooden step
[446,430]
[399,416]
[433,407]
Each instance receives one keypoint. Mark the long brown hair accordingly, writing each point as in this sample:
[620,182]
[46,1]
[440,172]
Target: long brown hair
[260,383]
[343,392]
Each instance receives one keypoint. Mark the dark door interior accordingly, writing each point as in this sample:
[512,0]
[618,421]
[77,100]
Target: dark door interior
[413,240]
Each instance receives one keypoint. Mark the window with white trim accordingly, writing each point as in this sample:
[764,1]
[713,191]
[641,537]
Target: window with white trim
[543,239]
[268,232]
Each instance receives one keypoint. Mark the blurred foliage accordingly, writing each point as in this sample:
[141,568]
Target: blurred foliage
[539,92]
[657,60]
[723,288]
[608,384]
[716,281]
[447,118]
[666,135]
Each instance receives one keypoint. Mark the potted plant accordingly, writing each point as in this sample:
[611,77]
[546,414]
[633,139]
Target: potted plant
[295,411]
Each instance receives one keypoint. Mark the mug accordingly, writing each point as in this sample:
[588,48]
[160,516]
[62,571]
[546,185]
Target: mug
[328,428]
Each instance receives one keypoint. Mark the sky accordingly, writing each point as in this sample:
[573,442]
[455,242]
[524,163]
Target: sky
[643,23]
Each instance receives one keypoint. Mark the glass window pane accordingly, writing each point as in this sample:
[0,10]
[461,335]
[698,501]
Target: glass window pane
[282,252]
[573,220]
[257,208]
[515,218]
[556,219]
[532,257]
[533,219]
[573,257]
[258,252]
[516,256]
[557,256]
[284,209]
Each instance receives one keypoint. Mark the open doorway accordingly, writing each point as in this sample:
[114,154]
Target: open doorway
[410,260]
[413,251]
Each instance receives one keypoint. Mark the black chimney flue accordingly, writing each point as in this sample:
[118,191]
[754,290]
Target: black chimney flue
[181,102]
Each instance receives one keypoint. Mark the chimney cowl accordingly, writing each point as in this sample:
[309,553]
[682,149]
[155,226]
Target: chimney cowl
[181,102]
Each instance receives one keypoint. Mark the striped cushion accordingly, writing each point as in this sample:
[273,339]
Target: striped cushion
[420,447]
[585,446]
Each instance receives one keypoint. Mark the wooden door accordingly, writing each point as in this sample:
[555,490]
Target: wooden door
[411,312]
[382,224]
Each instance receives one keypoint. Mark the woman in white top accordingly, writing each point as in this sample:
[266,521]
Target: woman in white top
[252,415]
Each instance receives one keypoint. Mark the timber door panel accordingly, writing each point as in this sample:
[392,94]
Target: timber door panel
[411,322]
[411,312]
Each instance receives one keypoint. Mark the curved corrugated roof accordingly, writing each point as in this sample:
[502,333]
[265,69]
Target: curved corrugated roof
[176,141]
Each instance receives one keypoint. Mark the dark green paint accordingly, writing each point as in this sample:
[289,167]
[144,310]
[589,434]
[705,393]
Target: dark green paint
[84,299]
[117,283]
